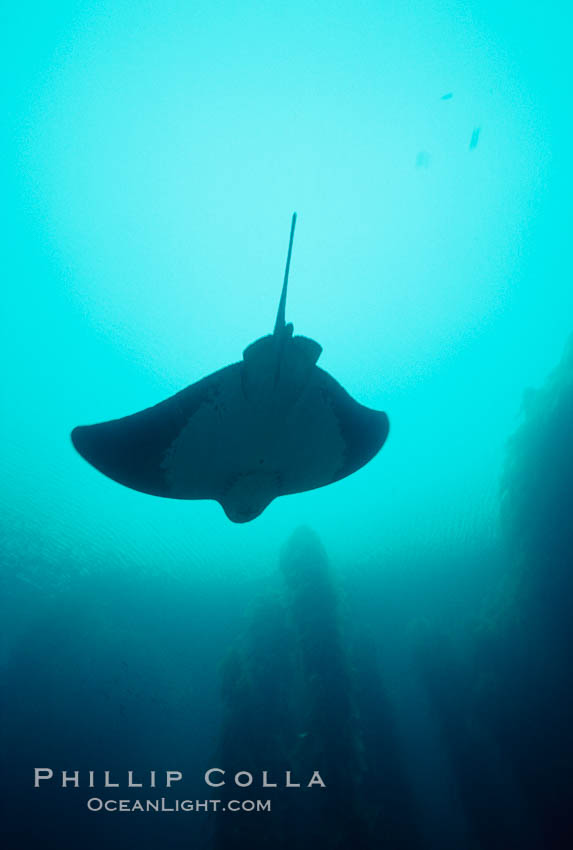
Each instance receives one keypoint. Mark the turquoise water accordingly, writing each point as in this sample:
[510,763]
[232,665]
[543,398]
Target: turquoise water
[153,155]
[154,160]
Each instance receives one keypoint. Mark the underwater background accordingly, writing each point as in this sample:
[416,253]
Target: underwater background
[406,631]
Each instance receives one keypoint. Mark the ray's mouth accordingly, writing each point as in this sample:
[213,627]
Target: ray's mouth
[240,515]
[249,494]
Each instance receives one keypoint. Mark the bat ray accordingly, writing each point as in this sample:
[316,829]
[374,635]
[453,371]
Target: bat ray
[272,424]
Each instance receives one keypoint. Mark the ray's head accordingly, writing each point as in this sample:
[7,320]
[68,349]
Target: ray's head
[249,494]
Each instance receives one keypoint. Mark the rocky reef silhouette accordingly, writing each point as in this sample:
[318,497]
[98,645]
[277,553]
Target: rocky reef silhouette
[299,699]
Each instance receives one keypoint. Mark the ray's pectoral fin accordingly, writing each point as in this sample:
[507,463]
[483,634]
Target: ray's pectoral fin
[127,450]
[133,450]
[364,431]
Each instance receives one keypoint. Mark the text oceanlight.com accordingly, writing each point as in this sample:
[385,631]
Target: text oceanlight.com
[96,804]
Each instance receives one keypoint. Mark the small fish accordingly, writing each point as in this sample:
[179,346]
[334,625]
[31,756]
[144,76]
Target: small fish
[475,138]
[447,96]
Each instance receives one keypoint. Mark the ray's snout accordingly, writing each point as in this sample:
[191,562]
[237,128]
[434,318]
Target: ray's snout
[249,495]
